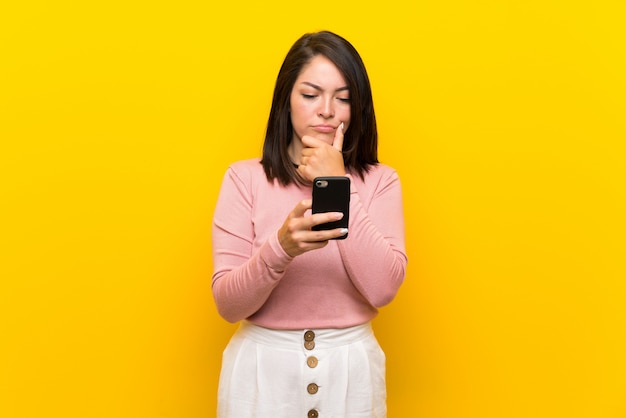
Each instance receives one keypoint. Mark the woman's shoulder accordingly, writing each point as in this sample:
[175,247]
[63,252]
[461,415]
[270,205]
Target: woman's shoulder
[379,171]
[245,172]
[378,177]
[382,169]
[247,169]
[249,165]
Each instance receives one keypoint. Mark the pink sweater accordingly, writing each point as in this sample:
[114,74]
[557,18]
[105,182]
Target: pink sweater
[338,286]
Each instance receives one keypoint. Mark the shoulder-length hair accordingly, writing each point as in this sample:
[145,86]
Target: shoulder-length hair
[360,146]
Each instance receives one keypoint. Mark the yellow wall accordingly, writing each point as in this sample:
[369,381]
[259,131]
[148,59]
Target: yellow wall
[505,119]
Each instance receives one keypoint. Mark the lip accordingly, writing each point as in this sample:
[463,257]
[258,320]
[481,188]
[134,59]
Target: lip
[324,128]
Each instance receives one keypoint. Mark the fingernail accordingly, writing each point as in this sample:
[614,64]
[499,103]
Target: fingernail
[338,215]
[341,127]
[344,231]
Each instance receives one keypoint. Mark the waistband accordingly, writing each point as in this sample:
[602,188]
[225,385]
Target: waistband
[293,339]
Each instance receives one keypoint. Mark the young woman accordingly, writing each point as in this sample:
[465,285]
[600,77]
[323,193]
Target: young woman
[305,346]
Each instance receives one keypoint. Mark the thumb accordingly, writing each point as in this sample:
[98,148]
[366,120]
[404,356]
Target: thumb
[338,140]
[301,208]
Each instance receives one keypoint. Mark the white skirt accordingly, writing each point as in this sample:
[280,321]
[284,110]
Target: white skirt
[338,373]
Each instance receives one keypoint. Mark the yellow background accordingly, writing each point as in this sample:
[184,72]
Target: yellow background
[505,120]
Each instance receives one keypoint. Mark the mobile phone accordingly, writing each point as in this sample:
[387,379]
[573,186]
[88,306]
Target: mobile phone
[332,194]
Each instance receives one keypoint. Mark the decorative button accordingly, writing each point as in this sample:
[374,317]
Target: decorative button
[312,388]
[312,414]
[311,362]
[309,336]
[309,345]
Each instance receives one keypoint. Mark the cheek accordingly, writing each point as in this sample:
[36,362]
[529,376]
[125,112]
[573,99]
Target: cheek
[344,116]
[297,118]
[299,112]
[299,105]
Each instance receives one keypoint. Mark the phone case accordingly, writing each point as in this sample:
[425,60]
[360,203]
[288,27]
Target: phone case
[332,194]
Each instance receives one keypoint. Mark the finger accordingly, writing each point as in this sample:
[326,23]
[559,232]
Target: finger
[325,235]
[338,141]
[312,142]
[307,152]
[324,217]
[301,208]
[322,239]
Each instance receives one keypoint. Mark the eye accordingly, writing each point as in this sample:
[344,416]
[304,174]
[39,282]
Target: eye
[344,99]
[308,96]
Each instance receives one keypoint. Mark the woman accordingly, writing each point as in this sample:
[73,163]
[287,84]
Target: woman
[305,346]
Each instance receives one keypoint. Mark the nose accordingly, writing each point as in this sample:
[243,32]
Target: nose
[326,109]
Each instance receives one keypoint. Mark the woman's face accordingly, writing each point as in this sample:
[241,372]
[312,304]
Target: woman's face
[320,101]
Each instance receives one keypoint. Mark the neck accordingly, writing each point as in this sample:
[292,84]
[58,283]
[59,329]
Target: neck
[295,150]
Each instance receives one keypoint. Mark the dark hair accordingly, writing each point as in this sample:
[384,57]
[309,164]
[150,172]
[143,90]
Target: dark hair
[360,146]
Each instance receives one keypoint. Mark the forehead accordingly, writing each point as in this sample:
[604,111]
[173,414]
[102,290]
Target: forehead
[321,70]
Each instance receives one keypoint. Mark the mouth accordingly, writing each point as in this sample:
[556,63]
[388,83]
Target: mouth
[324,128]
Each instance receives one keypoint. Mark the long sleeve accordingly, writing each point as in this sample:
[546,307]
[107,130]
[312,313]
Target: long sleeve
[374,255]
[339,285]
[243,278]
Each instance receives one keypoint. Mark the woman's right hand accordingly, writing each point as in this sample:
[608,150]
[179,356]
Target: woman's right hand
[296,236]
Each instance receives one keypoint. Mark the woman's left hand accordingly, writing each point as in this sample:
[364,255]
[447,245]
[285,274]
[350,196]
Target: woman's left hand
[320,158]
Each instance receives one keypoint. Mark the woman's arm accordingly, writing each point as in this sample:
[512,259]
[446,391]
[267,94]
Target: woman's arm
[242,280]
[374,253]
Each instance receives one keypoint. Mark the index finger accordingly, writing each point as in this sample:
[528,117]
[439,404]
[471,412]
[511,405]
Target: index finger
[338,141]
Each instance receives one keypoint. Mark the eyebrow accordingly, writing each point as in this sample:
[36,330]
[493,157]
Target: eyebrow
[316,87]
